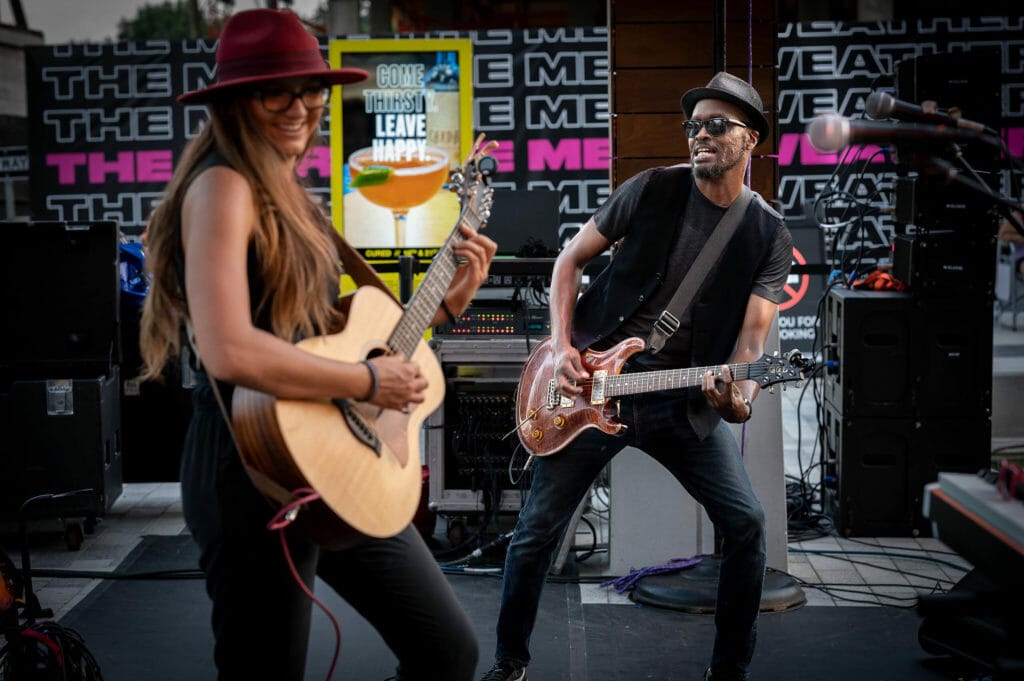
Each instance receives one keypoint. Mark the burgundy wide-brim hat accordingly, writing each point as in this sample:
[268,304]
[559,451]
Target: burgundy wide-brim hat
[729,88]
[267,44]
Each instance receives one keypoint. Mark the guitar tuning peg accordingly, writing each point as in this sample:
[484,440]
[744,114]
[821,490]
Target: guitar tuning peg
[771,390]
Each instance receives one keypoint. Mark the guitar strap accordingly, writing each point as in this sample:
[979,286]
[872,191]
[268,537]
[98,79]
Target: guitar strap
[668,323]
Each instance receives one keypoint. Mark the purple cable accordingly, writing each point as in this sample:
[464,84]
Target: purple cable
[627,582]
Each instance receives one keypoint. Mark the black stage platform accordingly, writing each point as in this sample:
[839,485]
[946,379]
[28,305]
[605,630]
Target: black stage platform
[158,629]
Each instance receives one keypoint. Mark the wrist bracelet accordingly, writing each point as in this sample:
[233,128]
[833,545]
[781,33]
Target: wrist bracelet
[750,409]
[374,380]
[451,317]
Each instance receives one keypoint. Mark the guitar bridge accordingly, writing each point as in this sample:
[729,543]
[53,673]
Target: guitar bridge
[360,428]
[556,398]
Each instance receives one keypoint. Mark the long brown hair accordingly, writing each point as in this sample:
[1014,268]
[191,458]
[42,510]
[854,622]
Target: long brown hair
[296,258]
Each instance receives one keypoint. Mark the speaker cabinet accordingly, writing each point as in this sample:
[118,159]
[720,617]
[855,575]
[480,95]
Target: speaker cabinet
[952,361]
[869,342]
[897,355]
[876,468]
[947,263]
[970,82]
[61,435]
[154,415]
[61,286]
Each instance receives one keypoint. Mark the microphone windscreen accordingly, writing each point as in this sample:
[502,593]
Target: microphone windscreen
[829,132]
[878,105]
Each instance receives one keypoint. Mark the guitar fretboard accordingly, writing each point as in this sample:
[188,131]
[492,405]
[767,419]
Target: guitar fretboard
[427,298]
[670,379]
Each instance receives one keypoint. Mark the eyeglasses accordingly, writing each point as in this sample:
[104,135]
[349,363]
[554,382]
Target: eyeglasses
[277,101]
[715,126]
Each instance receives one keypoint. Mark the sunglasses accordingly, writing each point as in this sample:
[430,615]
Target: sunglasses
[715,126]
[277,101]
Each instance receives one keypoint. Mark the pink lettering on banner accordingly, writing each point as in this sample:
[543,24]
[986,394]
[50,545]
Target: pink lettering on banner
[790,142]
[318,159]
[65,164]
[100,167]
[568,154]
[595,153]
[130,166]
[154,166]
[1014,141]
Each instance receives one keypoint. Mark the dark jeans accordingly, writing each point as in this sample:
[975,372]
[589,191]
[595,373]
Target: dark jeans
[711,471]
[261,619]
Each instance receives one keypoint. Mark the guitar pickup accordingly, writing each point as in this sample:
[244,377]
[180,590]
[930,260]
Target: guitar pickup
[597,392]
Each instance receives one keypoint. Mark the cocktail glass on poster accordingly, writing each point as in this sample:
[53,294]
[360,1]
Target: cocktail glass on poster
[399,183]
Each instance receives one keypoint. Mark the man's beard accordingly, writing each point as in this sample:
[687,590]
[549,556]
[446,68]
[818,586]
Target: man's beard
[716,170]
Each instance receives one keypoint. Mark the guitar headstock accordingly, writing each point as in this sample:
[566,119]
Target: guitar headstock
[471,182]
[771,370]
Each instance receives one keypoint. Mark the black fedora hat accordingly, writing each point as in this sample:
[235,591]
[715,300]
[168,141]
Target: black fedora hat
[729,88]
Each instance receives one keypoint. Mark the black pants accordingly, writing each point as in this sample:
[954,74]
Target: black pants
[261,618]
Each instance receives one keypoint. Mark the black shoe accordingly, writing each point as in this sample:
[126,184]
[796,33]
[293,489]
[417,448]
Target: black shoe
[506,670]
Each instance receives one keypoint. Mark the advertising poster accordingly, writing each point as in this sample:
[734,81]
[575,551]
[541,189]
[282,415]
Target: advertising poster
[395,137]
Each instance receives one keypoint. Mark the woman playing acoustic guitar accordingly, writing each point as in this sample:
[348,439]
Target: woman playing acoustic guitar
[242,254]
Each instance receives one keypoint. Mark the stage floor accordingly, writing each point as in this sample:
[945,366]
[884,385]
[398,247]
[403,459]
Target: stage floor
[834,572]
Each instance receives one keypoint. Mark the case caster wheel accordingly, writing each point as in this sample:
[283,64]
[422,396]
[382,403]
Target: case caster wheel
[456,532]
[73,535]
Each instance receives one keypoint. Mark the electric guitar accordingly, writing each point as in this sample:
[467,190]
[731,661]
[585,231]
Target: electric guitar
[362,460]
[548,421]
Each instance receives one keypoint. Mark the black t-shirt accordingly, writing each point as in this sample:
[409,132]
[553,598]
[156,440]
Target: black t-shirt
[698,221]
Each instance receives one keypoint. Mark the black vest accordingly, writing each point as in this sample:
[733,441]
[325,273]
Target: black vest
[639,266]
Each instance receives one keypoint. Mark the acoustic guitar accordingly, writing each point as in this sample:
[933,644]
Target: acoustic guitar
[362,460]
[549,421]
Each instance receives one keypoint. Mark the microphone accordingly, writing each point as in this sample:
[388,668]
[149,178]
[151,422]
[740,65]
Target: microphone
[881,105]
[832,132]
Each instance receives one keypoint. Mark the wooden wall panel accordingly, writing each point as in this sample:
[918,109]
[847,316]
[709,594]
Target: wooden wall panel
[659,90]
[657,51]
[646,135]
[688,43]
[649,11]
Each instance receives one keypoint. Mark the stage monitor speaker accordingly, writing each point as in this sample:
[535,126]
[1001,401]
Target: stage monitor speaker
[868,337]
[876,468]
[935,204]
[968,83]
[61,435]
[953,263]
[154,414]
[61,286]
[952,357]
[965,81]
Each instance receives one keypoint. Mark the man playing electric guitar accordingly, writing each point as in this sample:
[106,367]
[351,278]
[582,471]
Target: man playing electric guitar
[663,218]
